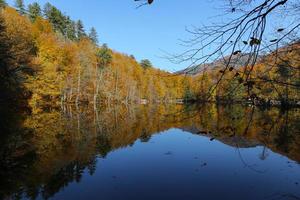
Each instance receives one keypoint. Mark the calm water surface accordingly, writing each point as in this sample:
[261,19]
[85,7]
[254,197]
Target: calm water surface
[152,152]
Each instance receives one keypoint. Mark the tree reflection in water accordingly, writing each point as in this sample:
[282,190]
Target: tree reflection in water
[44,152]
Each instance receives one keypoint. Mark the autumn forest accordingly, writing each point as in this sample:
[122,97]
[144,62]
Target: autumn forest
[48,59]
[82,119]
[51,60]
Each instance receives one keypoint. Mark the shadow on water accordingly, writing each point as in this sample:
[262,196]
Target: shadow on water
[43,153]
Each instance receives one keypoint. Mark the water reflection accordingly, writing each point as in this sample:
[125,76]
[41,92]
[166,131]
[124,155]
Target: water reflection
[48,154]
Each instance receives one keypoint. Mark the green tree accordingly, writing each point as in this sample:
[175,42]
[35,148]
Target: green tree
[20,6]
[56,18]
[80,30]
[93,35]
[3,4]
[34,10]
[104,56]
[284,74]
[188,93]
[70,28]
[146,64]
[132,57]
[47,9]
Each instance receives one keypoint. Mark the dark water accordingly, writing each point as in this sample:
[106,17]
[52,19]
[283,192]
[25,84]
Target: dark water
[151,152]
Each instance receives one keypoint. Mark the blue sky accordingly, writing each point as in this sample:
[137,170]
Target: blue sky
[146,32]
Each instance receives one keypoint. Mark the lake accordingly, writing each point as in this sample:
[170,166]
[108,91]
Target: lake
[151,152]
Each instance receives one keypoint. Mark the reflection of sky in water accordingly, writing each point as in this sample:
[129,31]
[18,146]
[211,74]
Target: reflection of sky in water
[179,165]
[137,153]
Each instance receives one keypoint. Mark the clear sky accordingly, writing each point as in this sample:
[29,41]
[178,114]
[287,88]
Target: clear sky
[146,32]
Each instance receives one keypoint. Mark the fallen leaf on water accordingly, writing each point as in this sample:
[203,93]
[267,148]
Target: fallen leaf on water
[203,164]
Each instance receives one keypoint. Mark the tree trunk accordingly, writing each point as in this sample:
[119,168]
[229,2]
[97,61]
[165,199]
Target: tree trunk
[78,88]
[98,80]
[116,84]
[71,91]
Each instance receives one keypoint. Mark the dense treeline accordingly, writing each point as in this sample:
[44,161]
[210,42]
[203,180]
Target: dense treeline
[274,79]
[48,59]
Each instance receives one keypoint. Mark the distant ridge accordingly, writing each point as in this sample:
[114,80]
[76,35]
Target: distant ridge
[236,61]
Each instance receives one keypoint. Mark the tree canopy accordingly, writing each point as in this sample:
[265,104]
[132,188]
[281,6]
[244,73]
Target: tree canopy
[93,35]
[20,6]
[146,64]
[34,11]
[2,3]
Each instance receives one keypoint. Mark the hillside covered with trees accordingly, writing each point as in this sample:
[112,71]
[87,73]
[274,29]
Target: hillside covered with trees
[274,79]
[48,59]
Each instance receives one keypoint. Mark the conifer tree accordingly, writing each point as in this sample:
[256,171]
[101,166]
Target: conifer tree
[70,28]
[93,35]
[104,56]
[146,64]
[80,30]
[47,10]
[34,10]
[20,6]
[3,4]
[56,18]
